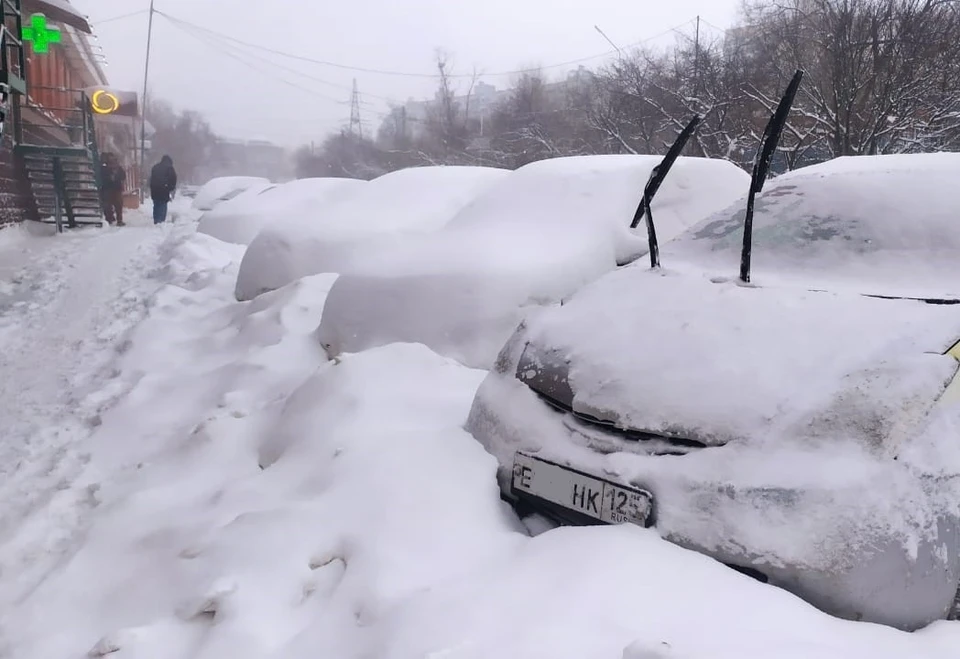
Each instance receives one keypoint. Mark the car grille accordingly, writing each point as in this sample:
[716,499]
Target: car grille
[653,443]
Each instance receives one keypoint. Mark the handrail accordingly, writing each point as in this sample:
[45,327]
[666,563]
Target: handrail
[4,99]
[4,88]
[90,139]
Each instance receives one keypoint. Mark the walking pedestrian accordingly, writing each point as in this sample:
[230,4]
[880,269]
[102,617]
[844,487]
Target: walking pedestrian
[163,181]
[112,178]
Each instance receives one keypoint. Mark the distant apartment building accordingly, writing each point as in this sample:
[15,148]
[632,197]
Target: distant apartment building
[482,101]
[253,158]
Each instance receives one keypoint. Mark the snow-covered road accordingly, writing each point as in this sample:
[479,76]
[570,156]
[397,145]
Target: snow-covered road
[67,303]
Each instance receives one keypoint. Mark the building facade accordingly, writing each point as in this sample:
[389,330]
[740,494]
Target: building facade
[60,108]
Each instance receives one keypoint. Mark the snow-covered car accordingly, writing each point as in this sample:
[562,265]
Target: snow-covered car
[240,219]
[369,220]
[218,190]
[810,438]
[536,236]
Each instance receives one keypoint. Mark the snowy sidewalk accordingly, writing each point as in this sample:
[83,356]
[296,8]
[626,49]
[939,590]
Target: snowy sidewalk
[63,314]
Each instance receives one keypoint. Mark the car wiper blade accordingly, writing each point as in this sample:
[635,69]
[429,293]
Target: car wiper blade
[768,144]
[657,175]
[928,300]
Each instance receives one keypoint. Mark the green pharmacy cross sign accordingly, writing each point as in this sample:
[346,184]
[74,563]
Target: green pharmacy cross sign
[40,35]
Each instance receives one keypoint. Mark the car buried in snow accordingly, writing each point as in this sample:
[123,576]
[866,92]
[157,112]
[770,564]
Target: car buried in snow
[808,436]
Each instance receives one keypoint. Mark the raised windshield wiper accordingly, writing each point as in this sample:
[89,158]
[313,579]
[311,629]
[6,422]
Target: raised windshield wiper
[927,300]
[768,144]
[657,175]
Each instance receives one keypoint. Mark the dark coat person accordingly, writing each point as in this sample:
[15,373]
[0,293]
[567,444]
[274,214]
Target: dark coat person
[163,181]
[112,178]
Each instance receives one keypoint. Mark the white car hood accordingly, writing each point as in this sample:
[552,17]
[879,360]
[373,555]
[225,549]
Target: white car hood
[682,357]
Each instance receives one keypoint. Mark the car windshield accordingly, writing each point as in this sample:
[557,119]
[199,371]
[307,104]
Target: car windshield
[230,195]
[883,225]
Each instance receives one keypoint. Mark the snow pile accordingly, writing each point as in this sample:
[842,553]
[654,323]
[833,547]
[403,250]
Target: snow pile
[535,237]
[254,501]
[223,188]
[410,201]
[872,224]
[241,219]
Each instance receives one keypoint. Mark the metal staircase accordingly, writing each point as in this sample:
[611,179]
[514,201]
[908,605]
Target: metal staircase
[64,184]
[64,179]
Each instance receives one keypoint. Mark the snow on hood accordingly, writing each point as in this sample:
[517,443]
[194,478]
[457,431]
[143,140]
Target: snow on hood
[684,357]
[882,225]
[240,219]
[408,201]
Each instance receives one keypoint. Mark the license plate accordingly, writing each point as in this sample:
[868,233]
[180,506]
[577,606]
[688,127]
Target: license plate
[594,497]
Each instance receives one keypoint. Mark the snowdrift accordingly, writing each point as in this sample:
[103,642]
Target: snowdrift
[217,190]
[254,501]
[535,237]
[415,200]
[240,219]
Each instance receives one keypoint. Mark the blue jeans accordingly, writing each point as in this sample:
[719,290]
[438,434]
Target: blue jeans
[159,211]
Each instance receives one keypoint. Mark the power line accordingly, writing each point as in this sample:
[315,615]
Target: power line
[184,25]
[411,74]
[118,18]
[246,60]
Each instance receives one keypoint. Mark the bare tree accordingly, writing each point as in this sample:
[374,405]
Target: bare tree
[881,74]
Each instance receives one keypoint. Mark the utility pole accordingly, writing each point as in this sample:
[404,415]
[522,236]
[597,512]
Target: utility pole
[355,111]
[610,41]
[143,106]
[696,57]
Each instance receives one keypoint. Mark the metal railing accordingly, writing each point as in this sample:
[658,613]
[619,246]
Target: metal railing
[62,115]
[11,46]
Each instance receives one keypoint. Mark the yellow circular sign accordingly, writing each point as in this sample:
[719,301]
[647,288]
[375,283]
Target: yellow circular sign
[111,104]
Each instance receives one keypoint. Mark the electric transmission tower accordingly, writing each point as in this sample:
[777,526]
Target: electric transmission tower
[356,126]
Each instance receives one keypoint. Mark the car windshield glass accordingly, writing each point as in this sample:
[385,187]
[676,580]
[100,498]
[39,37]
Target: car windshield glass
[233,193]
[884,229]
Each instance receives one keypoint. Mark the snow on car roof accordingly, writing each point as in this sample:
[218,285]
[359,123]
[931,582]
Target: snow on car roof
[241,219]
[330,237]
[887,225]
[681,356]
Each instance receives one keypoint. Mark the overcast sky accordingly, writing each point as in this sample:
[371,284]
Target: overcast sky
[249,93]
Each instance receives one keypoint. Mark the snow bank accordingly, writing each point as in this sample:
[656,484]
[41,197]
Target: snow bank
[254,501]
[214,191]
[870,224]
[241,219]
[415,200]
[535,237]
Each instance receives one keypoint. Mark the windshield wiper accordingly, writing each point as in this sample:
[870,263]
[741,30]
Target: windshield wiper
[928,300]
[768,144]
[657,175]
